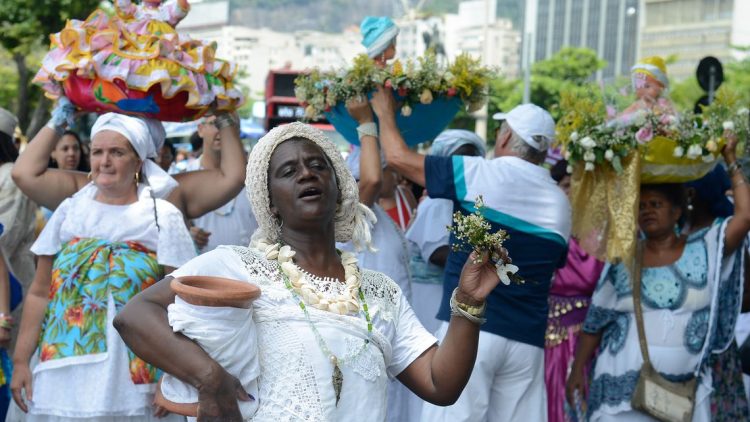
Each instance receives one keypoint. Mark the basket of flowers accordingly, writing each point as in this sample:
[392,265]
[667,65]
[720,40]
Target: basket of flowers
[429,95]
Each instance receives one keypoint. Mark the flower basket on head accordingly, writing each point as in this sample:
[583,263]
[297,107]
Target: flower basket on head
[134,62]
[609,160]
[428,95]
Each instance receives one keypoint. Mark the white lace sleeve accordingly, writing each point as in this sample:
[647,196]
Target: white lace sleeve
[410,340]
[49,241]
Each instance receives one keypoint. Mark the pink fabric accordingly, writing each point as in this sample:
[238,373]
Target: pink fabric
[577,279]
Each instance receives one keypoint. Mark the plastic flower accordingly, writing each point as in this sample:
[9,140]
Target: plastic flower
[588,143]
[406,110]
[567,155]
[574,136]
[504,271]
[694,151]
[426,97]
[711,146]
[644,135]
[609,155]
[679,152]
[728,125]
[569,169]
[589,166]
[744,111]
[589,156]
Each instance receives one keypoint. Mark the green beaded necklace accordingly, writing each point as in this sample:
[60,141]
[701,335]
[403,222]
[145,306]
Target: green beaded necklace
[337,379]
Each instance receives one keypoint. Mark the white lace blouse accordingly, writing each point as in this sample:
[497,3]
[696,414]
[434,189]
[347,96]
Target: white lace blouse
[295,375]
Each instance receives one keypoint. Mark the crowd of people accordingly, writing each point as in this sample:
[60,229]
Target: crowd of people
[368,309]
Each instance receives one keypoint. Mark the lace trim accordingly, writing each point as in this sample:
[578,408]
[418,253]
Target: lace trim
[382,293]
[366,363]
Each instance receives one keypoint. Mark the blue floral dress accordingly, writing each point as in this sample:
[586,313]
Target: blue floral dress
[689,311]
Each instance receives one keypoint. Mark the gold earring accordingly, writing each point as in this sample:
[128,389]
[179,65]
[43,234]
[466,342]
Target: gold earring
[137,178]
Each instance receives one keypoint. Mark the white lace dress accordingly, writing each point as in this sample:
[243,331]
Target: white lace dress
[102,390]
[295,376]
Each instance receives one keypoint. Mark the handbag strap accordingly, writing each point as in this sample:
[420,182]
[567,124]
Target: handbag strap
[637,303]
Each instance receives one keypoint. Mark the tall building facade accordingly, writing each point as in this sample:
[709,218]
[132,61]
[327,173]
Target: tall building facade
[688,30]
[609,27]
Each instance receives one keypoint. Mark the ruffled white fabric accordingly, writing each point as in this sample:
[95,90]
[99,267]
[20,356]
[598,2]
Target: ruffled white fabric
[295,375]
[228,335]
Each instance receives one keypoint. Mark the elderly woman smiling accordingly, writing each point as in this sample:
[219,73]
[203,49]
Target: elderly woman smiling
[102,246]
[329,333]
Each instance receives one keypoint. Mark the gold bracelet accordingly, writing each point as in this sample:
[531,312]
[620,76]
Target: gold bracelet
[474,314]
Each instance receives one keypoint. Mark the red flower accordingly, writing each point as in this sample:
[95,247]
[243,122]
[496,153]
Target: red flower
[388,84]
[139,372]
[402,91]
[74,316]
[49,351]
[55,283]
[451,92]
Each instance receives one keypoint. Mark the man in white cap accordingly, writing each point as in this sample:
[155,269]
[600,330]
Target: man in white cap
[507,383]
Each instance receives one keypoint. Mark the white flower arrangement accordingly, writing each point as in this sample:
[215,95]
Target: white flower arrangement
[475,231]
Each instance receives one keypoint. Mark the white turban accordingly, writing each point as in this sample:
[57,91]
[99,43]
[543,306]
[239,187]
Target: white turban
[147,137]
[352,220]
[452,139]
[352,161]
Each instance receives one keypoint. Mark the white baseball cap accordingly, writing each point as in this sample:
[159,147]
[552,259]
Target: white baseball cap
[529,120]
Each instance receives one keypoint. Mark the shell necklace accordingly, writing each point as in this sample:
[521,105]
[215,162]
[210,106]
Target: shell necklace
[295,280]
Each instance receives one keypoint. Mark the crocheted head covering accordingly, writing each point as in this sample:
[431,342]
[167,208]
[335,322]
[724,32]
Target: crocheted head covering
[352,220]
[452,139]
[653,67]
[377,34]
[147,137]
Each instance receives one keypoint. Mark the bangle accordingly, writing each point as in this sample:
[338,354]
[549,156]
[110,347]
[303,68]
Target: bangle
[59,129]
[474,314]
[367,129]
[224,120]
[731,168]
[6,321]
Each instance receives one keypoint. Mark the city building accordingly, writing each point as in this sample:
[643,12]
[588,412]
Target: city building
[609,27]
[462,32]
[688,30]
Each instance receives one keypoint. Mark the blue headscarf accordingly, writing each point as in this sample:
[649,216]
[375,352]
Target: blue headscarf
[712,188]
[377,34]
[452,139]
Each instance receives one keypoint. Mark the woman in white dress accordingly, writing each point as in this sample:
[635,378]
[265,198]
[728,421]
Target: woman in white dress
[329,334]
[102,246]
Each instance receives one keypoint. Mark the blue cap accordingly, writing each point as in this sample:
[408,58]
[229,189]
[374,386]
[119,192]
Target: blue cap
[377,34]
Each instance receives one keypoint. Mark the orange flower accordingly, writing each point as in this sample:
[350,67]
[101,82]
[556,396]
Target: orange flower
[49,351]
[74,316]
[148,282]
[55,283]
[139,372]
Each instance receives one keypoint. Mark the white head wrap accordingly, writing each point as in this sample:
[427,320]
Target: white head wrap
[147,137]
[452,139]
[352,220]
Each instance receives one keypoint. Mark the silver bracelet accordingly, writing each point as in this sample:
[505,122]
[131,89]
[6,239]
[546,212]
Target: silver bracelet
[367,129]
[457,311]
[224,120]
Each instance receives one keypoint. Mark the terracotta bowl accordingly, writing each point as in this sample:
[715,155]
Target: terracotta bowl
[184,409]
[215,291]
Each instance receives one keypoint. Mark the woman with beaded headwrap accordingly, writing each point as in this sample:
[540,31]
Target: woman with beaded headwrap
[109,241]
[329,333]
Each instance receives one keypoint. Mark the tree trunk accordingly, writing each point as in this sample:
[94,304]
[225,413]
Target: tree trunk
[39,117]
[22,112]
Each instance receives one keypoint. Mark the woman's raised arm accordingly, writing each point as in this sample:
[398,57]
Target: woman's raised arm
[45,186]
[203,191]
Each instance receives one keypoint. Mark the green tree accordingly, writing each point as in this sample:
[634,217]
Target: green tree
[25,26]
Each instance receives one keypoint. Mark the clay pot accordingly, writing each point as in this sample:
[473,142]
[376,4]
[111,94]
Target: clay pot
[215,291]
[184,409]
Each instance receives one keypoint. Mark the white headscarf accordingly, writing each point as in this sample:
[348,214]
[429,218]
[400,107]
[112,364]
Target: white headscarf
[352,161]
[352,220]
[147,137]
[452,139]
